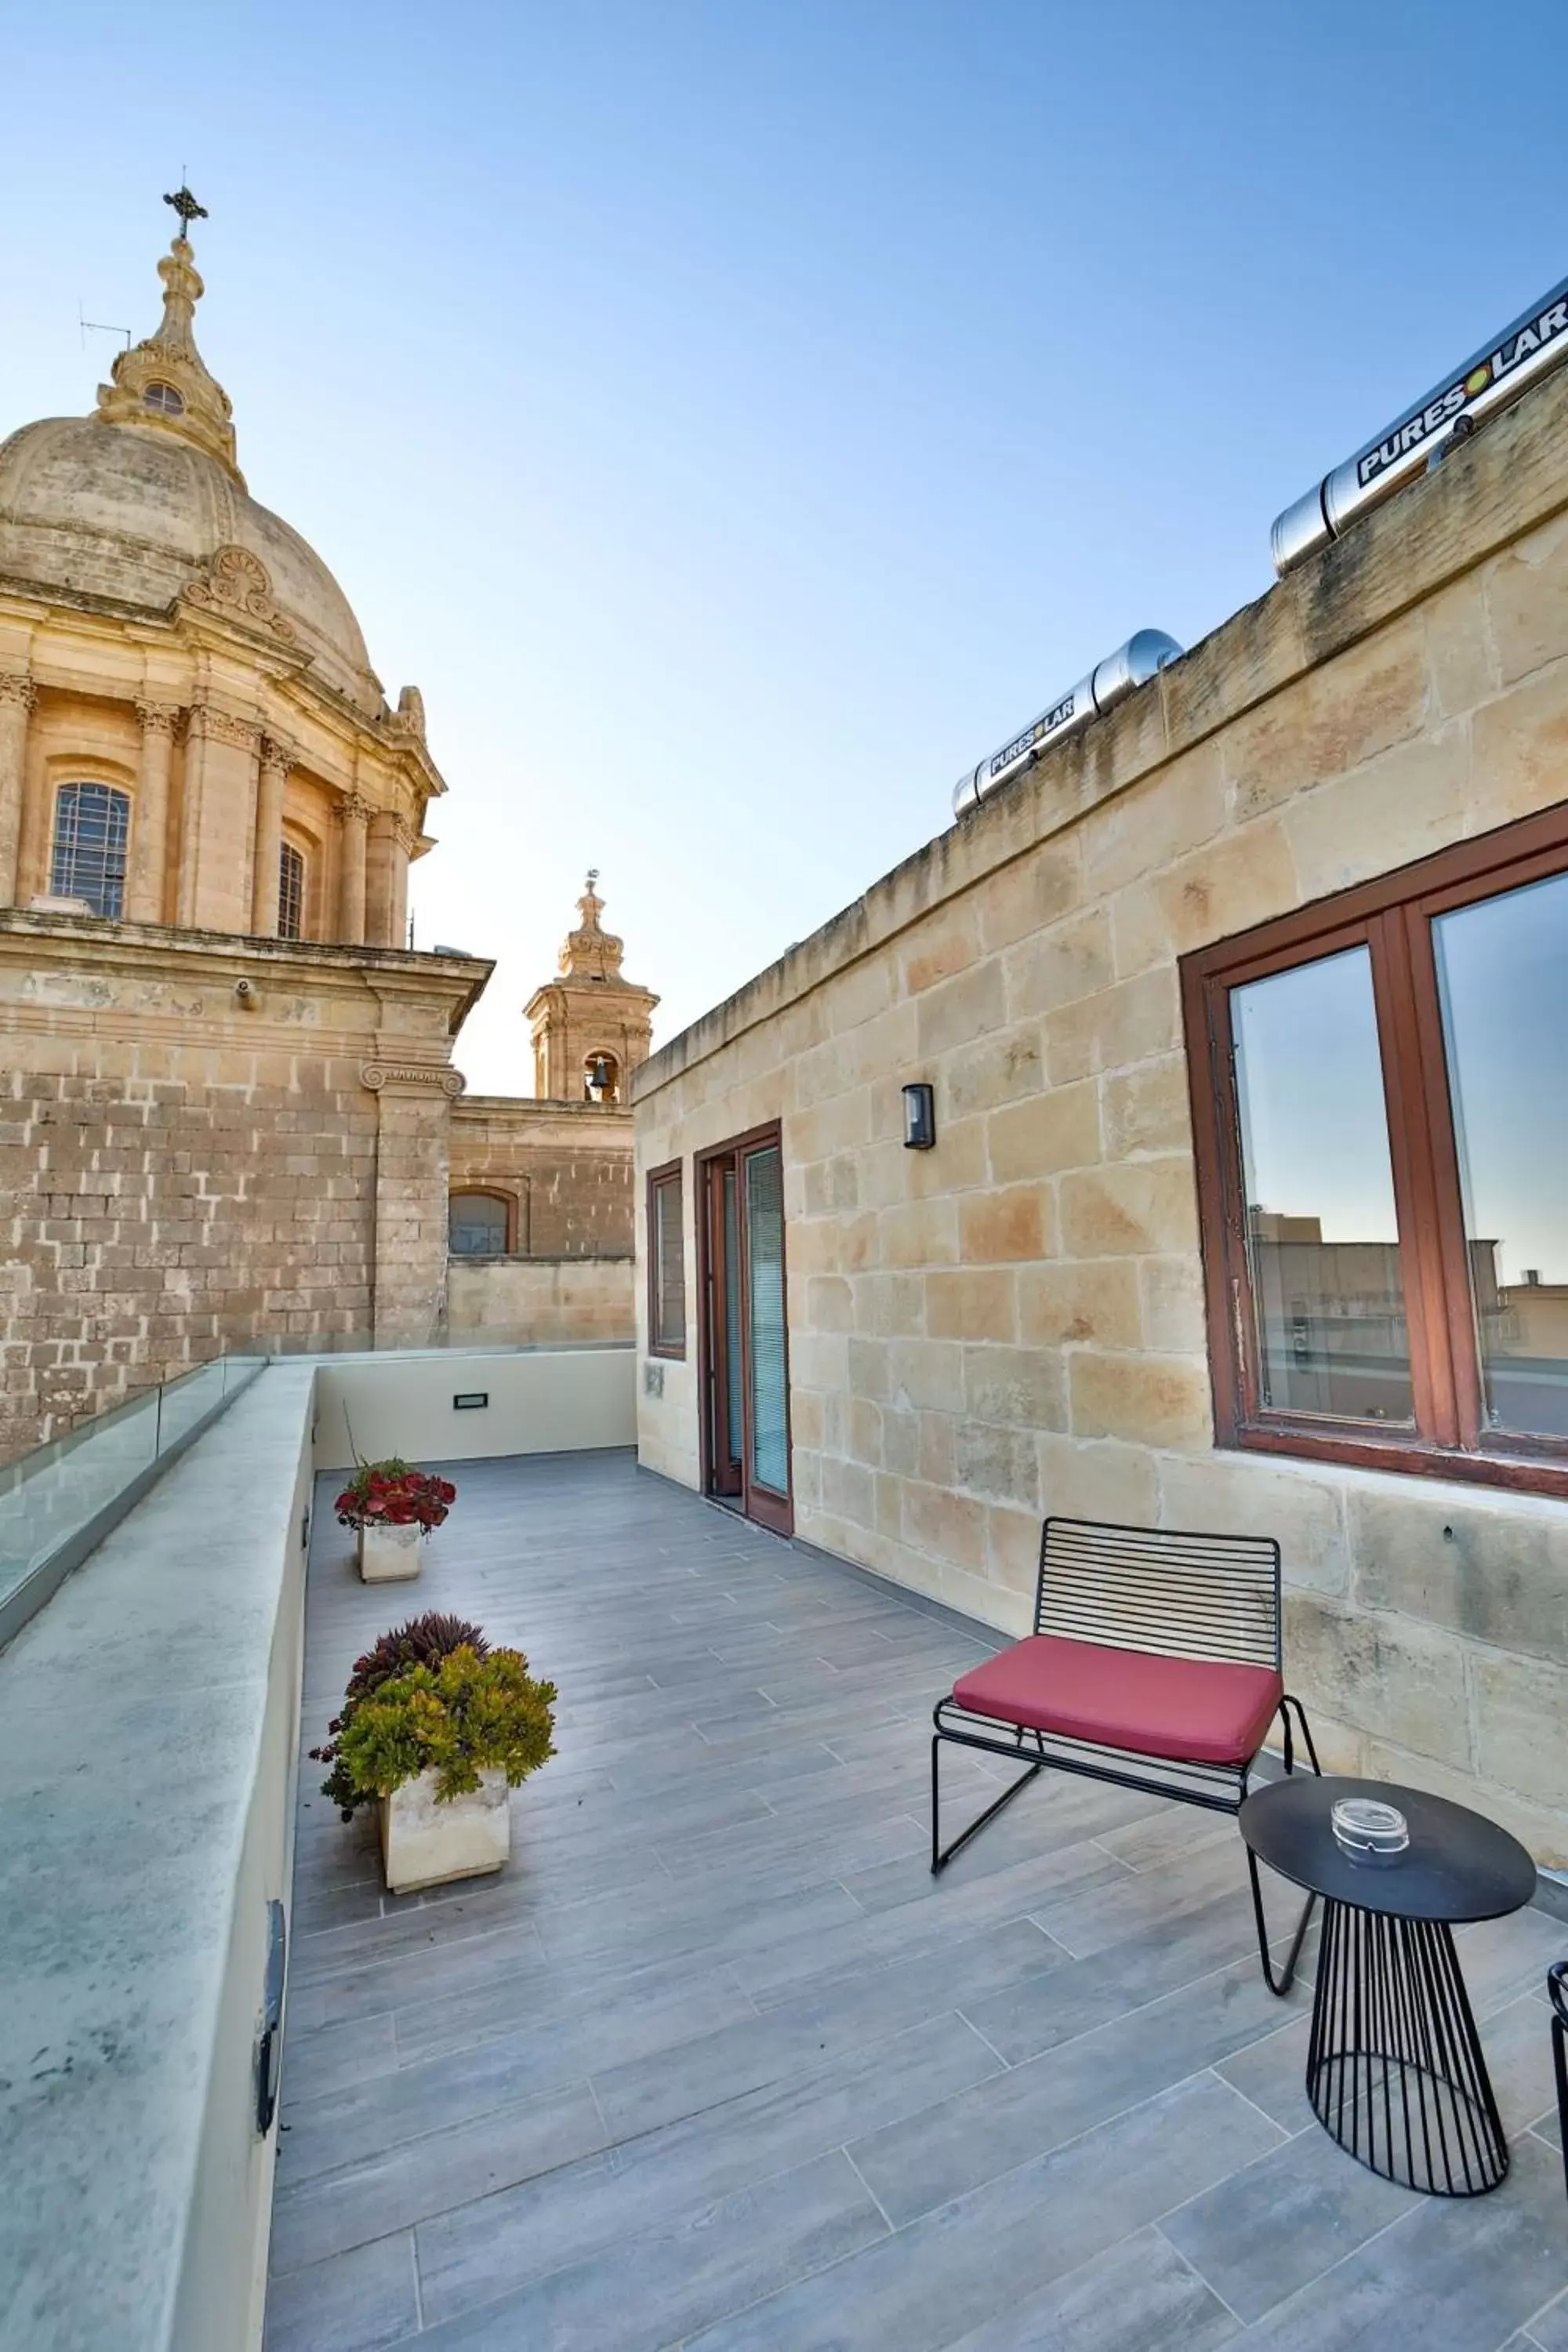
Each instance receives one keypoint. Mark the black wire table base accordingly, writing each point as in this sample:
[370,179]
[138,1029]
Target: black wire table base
[1394,2070]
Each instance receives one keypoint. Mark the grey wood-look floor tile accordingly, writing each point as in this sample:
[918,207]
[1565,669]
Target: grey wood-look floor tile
[331,2058]
[858,2009]
[1138,2296]
[799,1963]
[378,2112]
[1152,1898]
[331,2211]
[984,2131]
[1284,2220]
[403,1978]
[970,2261]
[1086,1993]
[361,2301]
[657,2288]
[1548,2329]
[617,1987]
[481,2251]
[1044,1819]
[1451,2275]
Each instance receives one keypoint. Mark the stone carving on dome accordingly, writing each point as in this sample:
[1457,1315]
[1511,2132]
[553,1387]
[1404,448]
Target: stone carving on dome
[411,711]
[239,586]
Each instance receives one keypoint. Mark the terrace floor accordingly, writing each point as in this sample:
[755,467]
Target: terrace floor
[716,2063]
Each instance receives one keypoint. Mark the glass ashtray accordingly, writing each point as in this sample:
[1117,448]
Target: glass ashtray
[1367,1830]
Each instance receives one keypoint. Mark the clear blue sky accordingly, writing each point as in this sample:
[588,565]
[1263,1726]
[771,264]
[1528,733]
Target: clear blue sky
[737,416]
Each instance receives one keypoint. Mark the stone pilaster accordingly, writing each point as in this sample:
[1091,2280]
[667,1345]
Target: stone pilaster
[17,698]
[413,1158]
[386,880]
[276,758]
[150,838]
[218,821]
[353,814]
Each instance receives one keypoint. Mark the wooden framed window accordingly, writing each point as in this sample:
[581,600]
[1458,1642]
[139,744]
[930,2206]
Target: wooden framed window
[1379,1108]
[479,1224]
[666,1263]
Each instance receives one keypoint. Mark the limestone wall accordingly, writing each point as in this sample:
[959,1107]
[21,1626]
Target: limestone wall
[540,1302]
[184,1170]
[567,1167]
[1012,1322]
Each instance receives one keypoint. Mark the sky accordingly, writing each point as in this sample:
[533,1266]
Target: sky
[738,416]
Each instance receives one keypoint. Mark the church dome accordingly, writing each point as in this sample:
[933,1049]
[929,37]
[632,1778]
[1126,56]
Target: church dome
[142,504]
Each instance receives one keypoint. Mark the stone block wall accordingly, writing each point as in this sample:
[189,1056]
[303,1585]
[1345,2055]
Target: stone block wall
[567,1167]
[1013,1323]
[541,1302]
[184,1171]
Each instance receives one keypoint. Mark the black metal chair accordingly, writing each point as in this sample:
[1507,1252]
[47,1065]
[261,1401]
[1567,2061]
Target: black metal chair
[1557,1994]
[1155,1663]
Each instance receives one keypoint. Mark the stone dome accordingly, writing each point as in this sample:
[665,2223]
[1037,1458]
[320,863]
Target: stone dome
[138,503]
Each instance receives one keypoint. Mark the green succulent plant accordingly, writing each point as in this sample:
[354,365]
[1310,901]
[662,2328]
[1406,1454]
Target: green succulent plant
[463,1715]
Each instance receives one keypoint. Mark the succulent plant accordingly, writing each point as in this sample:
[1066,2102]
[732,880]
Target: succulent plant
[421,1641]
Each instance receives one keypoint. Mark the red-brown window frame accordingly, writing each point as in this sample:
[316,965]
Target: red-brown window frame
[671,1172]
[1392,918]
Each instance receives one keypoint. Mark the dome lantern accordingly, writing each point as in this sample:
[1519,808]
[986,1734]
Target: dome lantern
[163,383]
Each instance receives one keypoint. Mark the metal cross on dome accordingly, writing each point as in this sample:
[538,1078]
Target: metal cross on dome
[185,205]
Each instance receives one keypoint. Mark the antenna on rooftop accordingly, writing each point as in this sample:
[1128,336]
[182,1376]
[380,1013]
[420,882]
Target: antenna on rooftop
[97,327]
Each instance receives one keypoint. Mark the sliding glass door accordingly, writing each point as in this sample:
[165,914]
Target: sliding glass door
[745,1354]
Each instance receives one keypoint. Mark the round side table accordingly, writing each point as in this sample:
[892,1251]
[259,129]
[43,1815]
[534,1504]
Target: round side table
[1394,2069]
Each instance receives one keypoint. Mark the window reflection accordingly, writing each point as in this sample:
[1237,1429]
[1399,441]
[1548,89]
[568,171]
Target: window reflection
[1321,1234]
[1503,973]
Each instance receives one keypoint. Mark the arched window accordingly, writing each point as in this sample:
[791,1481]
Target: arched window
[162,400]
[92,825]
[291,892]
[602,1078]
[476,1225]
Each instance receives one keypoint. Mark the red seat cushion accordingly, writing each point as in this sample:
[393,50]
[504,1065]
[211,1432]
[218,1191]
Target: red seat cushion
[1198,1710]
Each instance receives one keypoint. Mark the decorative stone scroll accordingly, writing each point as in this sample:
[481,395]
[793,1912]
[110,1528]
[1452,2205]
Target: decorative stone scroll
[17,688]
[237,585]
[159,717]
[376,1075]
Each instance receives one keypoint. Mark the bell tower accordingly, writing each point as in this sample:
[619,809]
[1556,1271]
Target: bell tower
[591,1028]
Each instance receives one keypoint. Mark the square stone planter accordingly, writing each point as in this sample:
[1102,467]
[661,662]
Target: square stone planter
[388,1555]
[424,1842]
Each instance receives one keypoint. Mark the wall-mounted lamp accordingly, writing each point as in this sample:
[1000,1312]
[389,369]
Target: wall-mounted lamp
[919,1117]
